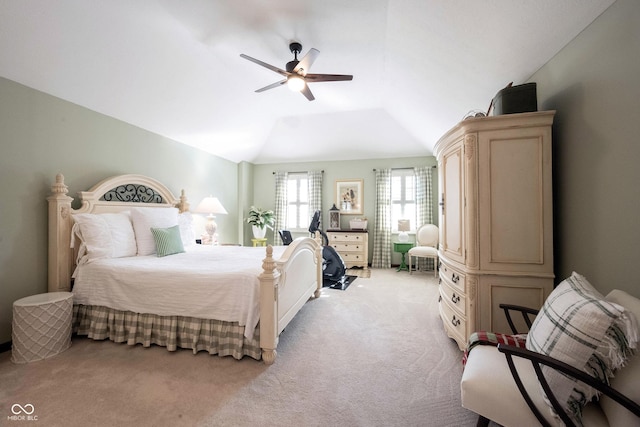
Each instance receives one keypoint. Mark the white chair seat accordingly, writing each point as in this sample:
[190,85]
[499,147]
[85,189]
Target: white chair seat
[423,251]
[487,388]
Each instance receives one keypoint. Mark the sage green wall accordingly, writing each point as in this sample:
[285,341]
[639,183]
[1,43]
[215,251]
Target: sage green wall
[245,200]
[593,84]
[40,136]
[264,185]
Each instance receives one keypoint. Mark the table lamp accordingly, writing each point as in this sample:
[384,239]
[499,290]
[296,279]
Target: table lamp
[404,225]
[211,205]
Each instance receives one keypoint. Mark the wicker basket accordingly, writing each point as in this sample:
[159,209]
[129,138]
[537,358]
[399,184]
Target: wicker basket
[358,224]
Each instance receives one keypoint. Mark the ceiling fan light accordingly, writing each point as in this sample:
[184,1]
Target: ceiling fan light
[295,83]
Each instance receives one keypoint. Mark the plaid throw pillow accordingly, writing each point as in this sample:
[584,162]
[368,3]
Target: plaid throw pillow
[577,326]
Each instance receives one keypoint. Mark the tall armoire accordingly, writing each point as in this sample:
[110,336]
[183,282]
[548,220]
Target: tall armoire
[496,223]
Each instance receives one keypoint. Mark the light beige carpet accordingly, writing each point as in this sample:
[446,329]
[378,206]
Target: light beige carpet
[359,272]
[373,355]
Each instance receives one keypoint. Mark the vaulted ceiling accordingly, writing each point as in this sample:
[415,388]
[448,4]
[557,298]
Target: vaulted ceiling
[173,67]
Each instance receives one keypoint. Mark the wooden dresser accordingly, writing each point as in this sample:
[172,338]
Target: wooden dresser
[352,245]
[496,223]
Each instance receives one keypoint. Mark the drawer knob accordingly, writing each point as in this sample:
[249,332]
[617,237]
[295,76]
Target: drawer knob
[454,321]
[455,278]
[455,298]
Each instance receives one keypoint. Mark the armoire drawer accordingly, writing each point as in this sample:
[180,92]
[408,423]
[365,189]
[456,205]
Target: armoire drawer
[453,297]
[454,323]
[452,277]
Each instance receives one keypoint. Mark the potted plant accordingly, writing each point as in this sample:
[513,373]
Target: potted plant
[260,219]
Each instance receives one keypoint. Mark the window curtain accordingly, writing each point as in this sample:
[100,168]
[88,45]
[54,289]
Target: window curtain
[382,230]
[281,206]
[314,180]
[424,205]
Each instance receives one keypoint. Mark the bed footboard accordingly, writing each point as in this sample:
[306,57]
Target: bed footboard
[285,285]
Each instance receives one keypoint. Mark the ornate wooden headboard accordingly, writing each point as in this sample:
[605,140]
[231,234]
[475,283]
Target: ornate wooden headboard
[114,194]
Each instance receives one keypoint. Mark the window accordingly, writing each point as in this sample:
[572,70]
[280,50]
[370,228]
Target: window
[403,197]
[298,201]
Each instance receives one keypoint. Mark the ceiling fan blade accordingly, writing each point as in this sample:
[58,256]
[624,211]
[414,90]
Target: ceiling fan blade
[313,78]
[307,92]
[305,63]
[272,85]
[265,65]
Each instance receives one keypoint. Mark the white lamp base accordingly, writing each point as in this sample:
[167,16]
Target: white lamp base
[403,237]
[210,227]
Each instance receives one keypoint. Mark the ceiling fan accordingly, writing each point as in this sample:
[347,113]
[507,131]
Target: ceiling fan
[296,73]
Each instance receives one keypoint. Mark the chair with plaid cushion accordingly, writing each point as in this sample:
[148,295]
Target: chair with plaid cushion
[578,367]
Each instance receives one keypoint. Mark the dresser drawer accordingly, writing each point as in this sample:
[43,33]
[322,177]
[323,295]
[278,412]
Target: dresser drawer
[453,297]
[352,257]
[347,237]
[452,277]
[348,247]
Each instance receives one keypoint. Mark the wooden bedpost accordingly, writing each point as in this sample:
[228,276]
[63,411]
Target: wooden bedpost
[183,204]
[60,252]
[269,279]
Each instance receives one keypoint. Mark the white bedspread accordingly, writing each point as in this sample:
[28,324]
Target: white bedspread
[210,282]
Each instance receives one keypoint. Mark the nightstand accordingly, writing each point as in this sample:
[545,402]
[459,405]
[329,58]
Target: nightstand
[259,242]
[402,248]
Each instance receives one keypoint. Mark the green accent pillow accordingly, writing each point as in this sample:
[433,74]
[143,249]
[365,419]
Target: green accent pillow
[168,240]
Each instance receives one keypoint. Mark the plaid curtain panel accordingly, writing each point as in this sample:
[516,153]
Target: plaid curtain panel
[424,206]
[382,226]
[280,210]
[314,180]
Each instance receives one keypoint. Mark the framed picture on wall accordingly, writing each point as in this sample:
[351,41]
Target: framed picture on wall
[349,196]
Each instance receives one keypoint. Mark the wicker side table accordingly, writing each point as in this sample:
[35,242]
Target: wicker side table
[41,326]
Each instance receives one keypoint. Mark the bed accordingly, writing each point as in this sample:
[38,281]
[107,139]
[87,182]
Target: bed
[227,300]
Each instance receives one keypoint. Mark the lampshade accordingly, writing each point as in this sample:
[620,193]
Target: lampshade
[404,225]
[211,205]
[295,83]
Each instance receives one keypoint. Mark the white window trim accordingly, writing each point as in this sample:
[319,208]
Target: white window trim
[298,177]
[394,222]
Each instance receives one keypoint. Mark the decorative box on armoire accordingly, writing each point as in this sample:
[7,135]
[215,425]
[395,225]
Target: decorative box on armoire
[496,223]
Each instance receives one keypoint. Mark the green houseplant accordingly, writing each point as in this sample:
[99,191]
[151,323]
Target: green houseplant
[260,219]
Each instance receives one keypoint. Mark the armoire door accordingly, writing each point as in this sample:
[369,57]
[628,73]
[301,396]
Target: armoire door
[452,203]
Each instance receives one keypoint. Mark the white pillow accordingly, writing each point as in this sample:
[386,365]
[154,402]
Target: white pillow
[108,235]
[578,326]
[188,236]
[144,219]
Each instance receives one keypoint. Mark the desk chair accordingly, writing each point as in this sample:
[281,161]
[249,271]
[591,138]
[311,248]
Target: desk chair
[285,235]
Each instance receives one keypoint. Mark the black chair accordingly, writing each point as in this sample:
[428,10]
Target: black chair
[285,235]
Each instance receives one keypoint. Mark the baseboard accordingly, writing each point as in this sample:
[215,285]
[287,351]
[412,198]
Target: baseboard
[5,346]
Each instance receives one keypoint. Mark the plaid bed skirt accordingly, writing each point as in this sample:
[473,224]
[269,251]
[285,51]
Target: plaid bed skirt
[172,332]
[492,338]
